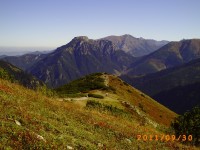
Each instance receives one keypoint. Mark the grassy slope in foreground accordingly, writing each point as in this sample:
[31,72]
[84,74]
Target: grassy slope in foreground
[29,119]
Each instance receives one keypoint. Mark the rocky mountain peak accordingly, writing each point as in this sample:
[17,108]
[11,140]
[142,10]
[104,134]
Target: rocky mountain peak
[80,57]
[127,35]
[82,38]
[135,46]
[85,45]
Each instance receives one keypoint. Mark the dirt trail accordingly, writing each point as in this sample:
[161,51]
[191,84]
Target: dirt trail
[74,99]
[77,99]
[106,80]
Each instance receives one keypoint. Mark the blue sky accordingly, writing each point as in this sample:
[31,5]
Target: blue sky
[52,23]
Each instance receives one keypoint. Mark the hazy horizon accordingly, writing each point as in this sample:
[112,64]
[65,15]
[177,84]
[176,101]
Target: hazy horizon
[20,50]
[14,51]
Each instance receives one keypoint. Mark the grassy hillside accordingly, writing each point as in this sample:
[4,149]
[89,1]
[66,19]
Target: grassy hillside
[30,120]
[154,110]
[82,85]
[113,89]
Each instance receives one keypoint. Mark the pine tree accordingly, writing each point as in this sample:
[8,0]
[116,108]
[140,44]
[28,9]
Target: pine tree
[188,124]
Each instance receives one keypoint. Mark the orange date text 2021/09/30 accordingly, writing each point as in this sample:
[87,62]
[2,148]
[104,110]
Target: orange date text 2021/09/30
[164,137]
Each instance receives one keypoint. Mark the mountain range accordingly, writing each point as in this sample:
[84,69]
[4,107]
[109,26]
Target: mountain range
[137,47]
[18,51]
[24,61]
[170,55]
[80,57]
[83,56]
[160,72]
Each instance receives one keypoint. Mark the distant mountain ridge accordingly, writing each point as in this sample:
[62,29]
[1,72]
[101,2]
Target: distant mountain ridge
[80,57]
[18,51]
[170,55]
[24,61]
[137,47]
[14,74]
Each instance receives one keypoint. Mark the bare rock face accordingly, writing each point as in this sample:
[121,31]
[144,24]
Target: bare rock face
[80,57]
[137,47]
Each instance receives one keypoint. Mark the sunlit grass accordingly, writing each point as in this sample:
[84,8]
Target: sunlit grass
[67,123]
